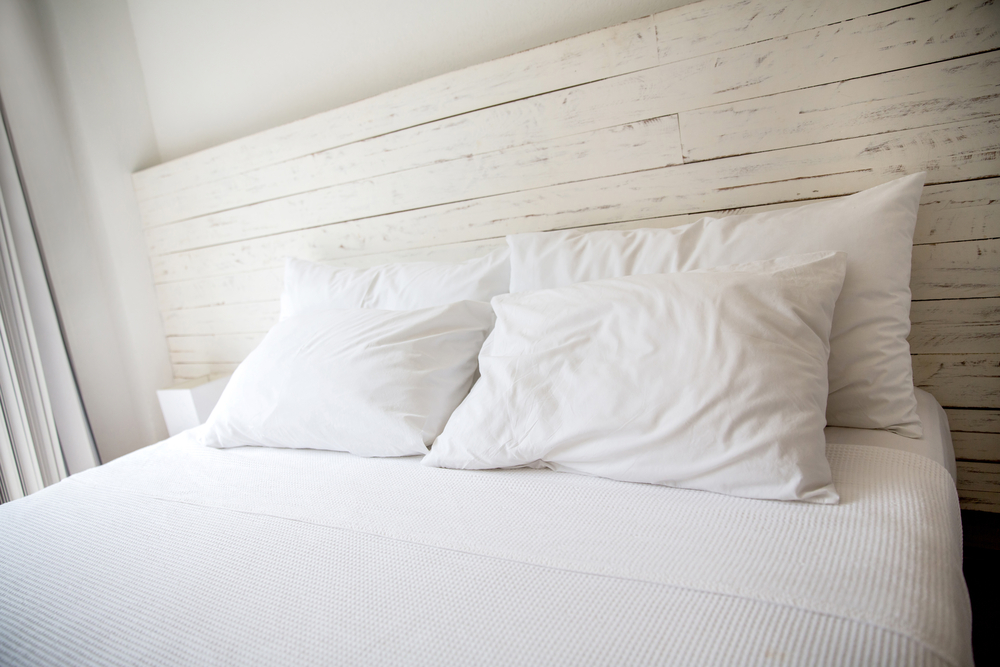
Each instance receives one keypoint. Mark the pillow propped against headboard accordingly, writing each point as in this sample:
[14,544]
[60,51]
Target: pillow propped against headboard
[870,372]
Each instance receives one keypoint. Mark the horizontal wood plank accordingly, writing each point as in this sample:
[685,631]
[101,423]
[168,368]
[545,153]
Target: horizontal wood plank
[960,380]
[656,92]
[225,348]
[236,318]
[953,91]
[981,501]
[947,212]
[706,27]
[975,421]
[965,211]
[977,446]
[978,476]
[593,56]
[669,36]
[949,153]
[623,149]
[209,370]
[955,326]
[962,269]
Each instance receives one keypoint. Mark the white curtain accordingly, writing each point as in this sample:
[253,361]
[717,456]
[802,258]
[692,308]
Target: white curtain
[37,439]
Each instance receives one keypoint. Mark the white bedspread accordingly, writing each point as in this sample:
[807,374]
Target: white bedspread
[179,554]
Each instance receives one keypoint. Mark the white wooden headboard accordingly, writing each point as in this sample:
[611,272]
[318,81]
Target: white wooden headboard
[717,106]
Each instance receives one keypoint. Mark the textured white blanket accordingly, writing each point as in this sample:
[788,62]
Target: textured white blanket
[184,555]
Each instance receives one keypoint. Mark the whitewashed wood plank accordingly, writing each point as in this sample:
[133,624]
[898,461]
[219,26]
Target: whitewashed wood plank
[978,476]
[955,326]
[706,27]
[598,55]
[963,269]
[248,286]
[589,57]
[917,34]
[956,90]
[980,501]
[960,380]
[194,371]
[977,446]
[974,421]
[221,349]
[949,153]
[959,212]
[949,212]
[236,318]
[611,151]
[945,326]
[533,120]
[700,82]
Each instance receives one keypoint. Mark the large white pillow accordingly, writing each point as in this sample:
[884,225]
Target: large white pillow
[871,381]
[403,286]
[712,380]
[369,382]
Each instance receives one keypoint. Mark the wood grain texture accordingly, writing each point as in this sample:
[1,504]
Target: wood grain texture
[596,55]
[976,446]
[949,152]
[979,476]
[612,151]
[710,26]
[955,326]
[707,27]
[956,90]
[966,211]
[960,380]
[974,421]
[946,212]
[981,501]
[957,270]
[719,107]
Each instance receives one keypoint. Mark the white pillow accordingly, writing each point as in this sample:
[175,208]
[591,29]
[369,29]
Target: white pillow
[871,380]
[712,380]
[406,286]
[369,382]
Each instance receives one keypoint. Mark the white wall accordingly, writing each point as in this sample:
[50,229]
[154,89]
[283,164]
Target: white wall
[72,85]
[218,70]
[102,88]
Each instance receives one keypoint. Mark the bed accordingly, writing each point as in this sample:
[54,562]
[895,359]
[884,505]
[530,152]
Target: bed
[666,381]
[182,554]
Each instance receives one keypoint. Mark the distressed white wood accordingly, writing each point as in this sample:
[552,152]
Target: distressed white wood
[756,69]
[976,446]
[955,326]
[772,103]
[596,55]
[706,27]
[711,25]
[222,348]
[250,317]
[981,501]
[949,152]
[960,380]
[974,421]
[963,269]
[623,149]
[956,90]
[209,370]
[979,476]
[959,212]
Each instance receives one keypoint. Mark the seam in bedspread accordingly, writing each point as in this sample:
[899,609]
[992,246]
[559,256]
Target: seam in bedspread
[511,559]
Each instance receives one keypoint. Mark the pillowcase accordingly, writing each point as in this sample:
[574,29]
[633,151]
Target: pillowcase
[369,382]
[712,380]
[871,379]
[407,286]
